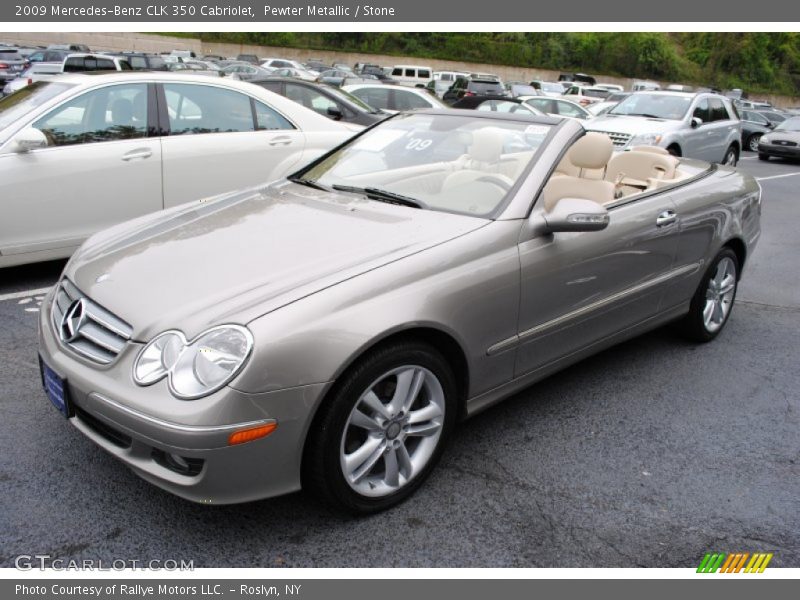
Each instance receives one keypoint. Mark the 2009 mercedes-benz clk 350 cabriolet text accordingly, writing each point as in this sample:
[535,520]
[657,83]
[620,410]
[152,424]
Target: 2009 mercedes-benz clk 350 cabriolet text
[328,330]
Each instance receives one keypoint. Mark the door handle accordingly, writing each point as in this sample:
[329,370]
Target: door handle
[138,153]
[280,141]
[668,217]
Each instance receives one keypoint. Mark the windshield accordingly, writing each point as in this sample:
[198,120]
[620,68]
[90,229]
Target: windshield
[792,124]
[656,106]
[452,163]
[21,102]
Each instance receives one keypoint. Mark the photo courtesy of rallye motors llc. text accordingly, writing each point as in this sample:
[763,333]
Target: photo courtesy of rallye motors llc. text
[162,589]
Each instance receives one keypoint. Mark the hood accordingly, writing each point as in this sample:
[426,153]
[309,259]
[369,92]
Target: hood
[790,136]
[631,125]
[243,255]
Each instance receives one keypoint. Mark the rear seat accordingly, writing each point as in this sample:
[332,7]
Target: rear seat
[638,170]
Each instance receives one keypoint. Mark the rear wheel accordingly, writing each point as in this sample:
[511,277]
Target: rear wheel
[712,302]
[383,429]
[752,142]
[731,156]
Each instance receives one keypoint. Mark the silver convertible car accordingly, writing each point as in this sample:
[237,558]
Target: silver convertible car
[328,330]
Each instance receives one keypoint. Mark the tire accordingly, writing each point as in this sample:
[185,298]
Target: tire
[752,142]
[367,460]
[731,156]
[723,271]
[763,157]
[674,150]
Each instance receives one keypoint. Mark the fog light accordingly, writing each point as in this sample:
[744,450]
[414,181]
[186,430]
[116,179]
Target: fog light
[248,435]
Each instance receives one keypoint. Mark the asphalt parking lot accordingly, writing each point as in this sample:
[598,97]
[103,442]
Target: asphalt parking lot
[649,454]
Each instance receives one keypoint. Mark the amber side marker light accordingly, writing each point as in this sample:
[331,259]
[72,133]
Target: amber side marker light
[248,435]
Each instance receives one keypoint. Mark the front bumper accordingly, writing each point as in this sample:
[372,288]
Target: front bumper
[776,150]
[146,427]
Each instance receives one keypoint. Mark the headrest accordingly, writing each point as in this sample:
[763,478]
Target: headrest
[487,144]
[592,151]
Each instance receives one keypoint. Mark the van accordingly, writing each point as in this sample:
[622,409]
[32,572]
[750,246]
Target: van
[443,80]
[412,75]
[82,63]
[645,86]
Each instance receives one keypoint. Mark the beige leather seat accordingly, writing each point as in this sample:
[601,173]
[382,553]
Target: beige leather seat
[567,166]
[591,152]
[482,160]
[653,149]
[635,171]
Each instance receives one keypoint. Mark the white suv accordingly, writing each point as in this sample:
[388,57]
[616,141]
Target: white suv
[704,126]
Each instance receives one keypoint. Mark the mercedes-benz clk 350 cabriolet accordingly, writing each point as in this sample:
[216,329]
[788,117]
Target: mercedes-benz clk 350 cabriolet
[327,331]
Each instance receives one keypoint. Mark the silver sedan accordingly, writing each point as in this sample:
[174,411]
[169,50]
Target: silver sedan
[329,330]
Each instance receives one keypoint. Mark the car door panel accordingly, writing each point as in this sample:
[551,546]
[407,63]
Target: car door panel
[212,148]
[57,196]
[578,288]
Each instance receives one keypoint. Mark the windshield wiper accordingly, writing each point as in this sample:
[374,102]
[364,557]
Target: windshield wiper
[381,195]
[309,182]
[648,115]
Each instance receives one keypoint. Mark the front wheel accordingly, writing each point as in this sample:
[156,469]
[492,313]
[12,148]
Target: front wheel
[763,157]
[731,157]
[752,142]
[712,302]
[382,430]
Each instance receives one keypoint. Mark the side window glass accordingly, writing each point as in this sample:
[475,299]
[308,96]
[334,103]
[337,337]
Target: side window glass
[270,119]
[195,109]
[701,111]
[111,113]
[397,72]
[425,74]
[718,112]
[408,100]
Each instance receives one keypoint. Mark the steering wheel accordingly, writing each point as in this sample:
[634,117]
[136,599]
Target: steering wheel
[501,181]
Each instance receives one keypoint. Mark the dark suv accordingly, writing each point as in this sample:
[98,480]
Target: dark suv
[143,61]
[474,85]
[12,63]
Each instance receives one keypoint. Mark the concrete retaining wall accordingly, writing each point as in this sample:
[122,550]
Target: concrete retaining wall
[144,42]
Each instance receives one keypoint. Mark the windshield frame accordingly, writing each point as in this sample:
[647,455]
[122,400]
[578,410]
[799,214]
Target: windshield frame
[555,125]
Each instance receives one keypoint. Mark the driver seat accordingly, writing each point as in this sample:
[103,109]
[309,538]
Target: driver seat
[482,160]
[592,151]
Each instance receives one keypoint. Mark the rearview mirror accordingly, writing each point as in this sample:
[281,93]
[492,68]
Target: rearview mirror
[576,214]
[696,122]
[29,139]
[335,112]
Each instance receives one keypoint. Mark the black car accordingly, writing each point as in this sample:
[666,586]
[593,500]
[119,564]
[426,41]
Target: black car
[250,58]
[754,125]
[377,72]
[473,85]
[144,61]
[327,100]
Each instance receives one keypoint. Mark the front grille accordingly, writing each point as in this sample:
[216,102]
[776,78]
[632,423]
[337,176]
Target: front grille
[784,143]
[618,139]
[88,329]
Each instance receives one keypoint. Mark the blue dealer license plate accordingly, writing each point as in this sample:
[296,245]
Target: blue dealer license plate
[56,389]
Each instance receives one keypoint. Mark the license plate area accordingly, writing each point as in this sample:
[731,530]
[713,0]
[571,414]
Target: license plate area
[55,387]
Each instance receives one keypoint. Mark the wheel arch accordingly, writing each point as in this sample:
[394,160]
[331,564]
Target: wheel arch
[740,249]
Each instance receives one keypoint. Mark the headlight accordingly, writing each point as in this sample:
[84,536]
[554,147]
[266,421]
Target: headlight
[646,139]
[194,368]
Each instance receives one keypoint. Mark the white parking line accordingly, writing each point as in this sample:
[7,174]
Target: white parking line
[25,294]
[776,176]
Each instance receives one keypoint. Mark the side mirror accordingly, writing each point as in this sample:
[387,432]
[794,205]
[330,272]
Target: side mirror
[335,112]
[696,122]
[770,124]
[576,214]
[29,139]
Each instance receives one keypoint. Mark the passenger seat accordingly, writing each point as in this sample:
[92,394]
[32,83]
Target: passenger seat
[637,170]
[590,153]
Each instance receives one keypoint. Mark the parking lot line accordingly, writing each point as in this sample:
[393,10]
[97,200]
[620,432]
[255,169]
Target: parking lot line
[776,176]
[23,294]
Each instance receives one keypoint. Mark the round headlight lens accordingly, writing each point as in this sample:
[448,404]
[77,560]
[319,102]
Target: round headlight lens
[195,368]
[158,357]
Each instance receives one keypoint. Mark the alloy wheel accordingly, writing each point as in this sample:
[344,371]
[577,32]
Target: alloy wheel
[752,144]
[719,295]
[392,431]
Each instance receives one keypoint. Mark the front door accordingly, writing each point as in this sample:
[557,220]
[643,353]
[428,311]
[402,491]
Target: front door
[99,169]
[579,288]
